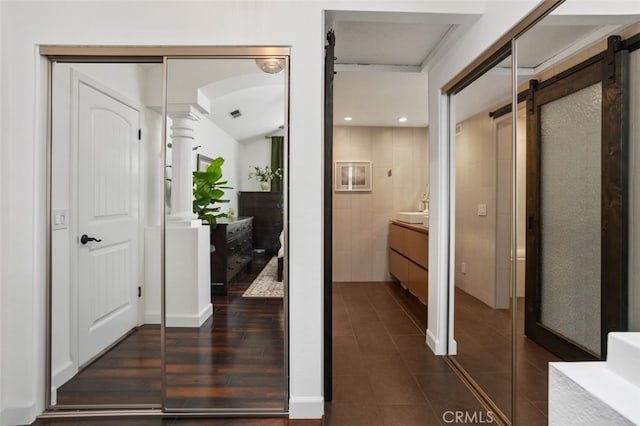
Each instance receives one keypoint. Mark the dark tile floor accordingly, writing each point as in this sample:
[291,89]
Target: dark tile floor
[384,374]
[484,343]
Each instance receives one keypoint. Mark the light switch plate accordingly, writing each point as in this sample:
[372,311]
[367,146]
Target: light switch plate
[59,219]
[482,209]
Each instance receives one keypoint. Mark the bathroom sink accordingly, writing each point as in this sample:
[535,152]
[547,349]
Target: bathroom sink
[412,217]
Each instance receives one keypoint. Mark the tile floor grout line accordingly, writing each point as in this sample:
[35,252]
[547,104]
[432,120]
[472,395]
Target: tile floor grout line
[413,376]
[395,299]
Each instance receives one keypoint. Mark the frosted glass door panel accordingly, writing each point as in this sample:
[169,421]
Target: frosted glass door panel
[571,179]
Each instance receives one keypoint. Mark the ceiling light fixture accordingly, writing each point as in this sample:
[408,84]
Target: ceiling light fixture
[347,118]
[270,65]
[402,119]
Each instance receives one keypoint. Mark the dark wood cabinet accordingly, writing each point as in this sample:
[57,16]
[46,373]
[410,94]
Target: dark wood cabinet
[267,211]
[234,251]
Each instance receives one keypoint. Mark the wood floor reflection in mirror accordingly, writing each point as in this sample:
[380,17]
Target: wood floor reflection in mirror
[233,360]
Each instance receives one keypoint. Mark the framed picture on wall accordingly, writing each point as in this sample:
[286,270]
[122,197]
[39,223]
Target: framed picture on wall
[203,162]
[352,176]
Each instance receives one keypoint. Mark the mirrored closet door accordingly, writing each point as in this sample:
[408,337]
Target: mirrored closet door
[224,236]
[482,281]
[168,284]
[563,173]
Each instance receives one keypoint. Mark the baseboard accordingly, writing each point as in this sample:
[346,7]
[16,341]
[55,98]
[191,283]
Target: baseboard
[181,320]
[433,343]
[306,407]
[18,415]
[64,374]
[190,320]
[453,350]
[152,318]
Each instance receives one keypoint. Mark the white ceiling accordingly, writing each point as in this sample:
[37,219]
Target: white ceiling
[258,96]
[381,65]
[386,43]
[380,98]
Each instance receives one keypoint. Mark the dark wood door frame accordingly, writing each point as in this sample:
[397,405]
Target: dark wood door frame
[610,68]
[329,60]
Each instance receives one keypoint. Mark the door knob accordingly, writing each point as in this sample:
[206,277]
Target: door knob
[85,239]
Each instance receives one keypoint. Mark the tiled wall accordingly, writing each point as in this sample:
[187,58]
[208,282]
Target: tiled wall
[400,175]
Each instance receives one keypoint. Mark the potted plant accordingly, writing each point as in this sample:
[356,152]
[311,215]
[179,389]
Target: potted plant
[265,175]
[208,190]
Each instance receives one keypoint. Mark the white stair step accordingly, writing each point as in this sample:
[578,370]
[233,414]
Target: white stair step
[623,356]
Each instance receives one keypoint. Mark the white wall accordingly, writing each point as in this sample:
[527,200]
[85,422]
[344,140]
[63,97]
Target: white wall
[361,220]
[253,152]
[218,143]
[256,23]
[296,24]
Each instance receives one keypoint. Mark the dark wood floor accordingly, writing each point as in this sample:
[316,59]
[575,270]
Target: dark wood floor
[484,343]
[234,360]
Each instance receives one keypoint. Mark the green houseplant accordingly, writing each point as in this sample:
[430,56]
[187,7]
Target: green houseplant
[208,190]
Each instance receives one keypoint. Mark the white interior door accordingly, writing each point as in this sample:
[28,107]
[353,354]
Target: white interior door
[108,180]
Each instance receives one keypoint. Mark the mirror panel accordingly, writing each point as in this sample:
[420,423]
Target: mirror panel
[566,157]
[482,298]
[224,236]
[105,304]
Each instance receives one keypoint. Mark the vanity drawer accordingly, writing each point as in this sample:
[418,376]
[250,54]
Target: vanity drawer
[418,282]
[399,267]
[411,244]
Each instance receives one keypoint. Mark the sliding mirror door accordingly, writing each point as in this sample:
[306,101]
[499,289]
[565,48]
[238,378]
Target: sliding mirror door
[105,191]
[566,176]
[225,272]
[481,162]
[581,213]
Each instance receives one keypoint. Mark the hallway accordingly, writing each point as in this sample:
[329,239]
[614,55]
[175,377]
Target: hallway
[384,374]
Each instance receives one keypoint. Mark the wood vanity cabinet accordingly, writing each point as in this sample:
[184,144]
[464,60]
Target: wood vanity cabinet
[409,257]
[234,251]
[266,208]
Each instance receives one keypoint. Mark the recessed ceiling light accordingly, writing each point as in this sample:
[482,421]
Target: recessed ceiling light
[402,119]
[348,118]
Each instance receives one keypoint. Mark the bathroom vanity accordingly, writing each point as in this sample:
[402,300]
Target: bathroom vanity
[409,256]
